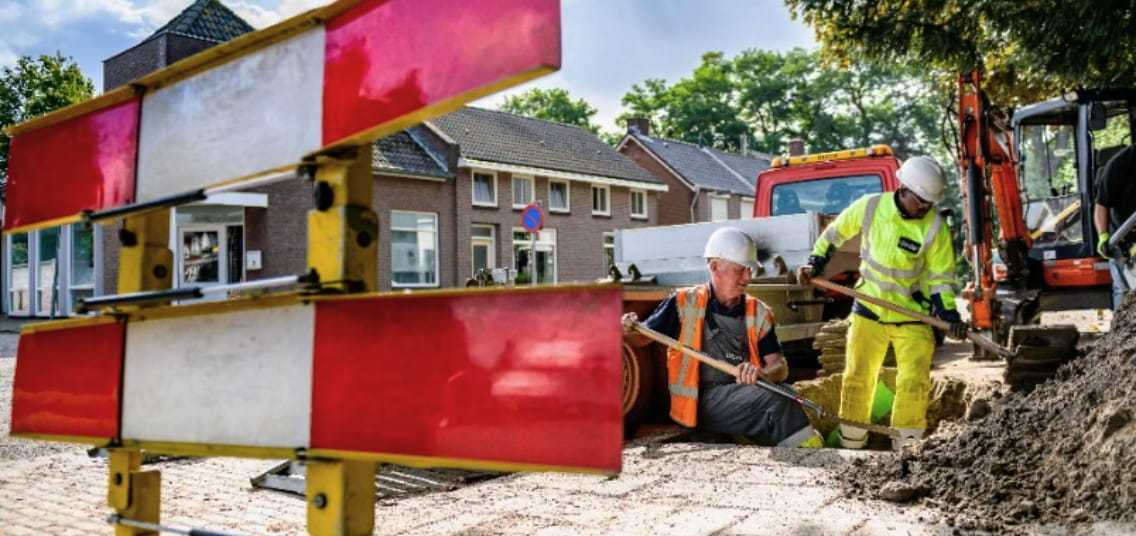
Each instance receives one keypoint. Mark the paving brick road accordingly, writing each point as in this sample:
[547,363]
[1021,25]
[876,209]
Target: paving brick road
[665,489]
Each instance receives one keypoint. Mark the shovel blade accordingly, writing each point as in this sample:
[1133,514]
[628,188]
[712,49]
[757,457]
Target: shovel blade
[1038,352]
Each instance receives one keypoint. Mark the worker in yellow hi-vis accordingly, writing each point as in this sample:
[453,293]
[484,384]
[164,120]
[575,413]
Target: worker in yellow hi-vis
[906,259]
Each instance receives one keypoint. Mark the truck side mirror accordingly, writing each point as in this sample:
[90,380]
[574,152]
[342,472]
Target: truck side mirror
[1098,118]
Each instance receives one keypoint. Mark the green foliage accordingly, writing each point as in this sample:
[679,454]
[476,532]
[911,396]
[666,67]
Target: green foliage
[771,97]
[1029,50]
[34,87]
[552,105]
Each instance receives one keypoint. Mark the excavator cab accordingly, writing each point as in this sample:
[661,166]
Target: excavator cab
[1061,146]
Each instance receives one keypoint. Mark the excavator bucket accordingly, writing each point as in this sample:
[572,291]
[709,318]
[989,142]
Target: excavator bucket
[1039,350]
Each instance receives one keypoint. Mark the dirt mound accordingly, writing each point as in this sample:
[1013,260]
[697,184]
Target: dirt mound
[1063,453]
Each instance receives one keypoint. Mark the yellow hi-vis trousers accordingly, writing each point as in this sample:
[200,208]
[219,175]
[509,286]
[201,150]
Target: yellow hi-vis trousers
[867,344]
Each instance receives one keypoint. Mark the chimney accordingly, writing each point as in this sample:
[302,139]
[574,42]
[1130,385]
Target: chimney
[744,144]
[796,147]
[639,125]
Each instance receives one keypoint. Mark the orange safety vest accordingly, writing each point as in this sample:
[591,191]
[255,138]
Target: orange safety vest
[682,370]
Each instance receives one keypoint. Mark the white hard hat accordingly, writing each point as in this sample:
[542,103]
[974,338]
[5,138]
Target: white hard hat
[734,245]
[924,176]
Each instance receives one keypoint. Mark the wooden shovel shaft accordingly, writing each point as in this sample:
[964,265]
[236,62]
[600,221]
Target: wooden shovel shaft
[939,323]
[783,391]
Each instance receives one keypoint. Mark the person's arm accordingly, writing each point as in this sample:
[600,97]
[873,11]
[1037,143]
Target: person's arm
[776,369]
[846,226]
[664,320]
[1100,218]
[940,282]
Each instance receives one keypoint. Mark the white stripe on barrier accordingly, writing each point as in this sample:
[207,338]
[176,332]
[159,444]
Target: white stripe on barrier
[257,112]
[238,378]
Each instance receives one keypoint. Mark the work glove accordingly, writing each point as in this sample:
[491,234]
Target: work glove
[810,269]
[1102,244]
[957,328]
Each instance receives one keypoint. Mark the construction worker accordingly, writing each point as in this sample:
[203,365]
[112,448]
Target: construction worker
[720,319]
[906,259]
[1115,203]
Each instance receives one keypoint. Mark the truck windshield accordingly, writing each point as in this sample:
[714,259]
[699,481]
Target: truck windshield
[829,196]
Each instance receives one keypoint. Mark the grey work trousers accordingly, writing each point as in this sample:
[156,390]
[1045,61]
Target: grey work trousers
[764,417]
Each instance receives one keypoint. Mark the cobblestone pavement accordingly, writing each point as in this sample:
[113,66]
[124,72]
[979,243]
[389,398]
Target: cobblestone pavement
[664,489]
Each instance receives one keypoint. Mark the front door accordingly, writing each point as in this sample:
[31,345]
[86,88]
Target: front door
[203,258]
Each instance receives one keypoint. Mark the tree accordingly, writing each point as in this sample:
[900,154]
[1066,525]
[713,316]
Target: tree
[1028,50]
[771,97]
[34,87]
[552,105]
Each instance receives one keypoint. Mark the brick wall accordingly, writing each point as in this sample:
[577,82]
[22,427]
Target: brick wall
[416,195]
[674,205]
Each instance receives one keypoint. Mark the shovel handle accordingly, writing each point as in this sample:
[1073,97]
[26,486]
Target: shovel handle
[671,343]
[930,320]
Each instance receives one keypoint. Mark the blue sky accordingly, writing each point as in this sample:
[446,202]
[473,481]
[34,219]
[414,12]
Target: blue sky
[608,45]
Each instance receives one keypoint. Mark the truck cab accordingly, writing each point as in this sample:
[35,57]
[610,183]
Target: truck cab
[825,182]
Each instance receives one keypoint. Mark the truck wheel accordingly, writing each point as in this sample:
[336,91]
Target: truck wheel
[636,389]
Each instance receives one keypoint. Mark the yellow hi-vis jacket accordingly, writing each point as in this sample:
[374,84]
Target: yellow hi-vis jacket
[682,370]
[899,256]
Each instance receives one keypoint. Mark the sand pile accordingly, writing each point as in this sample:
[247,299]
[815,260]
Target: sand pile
[1063,453]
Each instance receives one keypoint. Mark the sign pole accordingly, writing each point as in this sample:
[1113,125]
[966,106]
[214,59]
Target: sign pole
[532,218]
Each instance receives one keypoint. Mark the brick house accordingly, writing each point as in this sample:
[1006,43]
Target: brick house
[449,195]
[706,184]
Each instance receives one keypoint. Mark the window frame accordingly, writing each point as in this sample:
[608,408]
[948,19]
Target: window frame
[718,197]
[493,188]
[532,191]
[567,197]
[437,257]
[742,213]
[631,201]
[527,244]
[607,199]
[608,245]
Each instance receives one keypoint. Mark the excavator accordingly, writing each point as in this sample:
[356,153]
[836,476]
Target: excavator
[1028,185]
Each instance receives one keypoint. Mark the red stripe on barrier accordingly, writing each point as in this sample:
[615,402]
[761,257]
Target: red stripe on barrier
[82,163]
[69,381]
[515,377]
[389,58]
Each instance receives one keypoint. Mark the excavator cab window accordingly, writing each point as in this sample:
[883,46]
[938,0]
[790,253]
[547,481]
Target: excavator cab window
[1049,175]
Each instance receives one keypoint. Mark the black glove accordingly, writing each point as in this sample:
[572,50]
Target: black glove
[817,263]
[957,329]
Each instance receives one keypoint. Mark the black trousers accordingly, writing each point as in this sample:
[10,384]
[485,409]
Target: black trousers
[740,409]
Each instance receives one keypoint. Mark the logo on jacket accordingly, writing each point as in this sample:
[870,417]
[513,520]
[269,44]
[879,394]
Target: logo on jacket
[908,244]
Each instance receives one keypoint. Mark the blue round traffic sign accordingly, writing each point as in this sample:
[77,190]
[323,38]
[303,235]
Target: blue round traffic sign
[532,218]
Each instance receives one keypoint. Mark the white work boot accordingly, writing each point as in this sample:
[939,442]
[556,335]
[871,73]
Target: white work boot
[907,436]
[852,437]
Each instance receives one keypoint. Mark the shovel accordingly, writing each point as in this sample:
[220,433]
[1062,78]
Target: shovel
[941,324]
[770,386]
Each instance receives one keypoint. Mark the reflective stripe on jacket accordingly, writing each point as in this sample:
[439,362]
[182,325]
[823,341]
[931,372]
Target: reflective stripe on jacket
[899,257]
[682,370]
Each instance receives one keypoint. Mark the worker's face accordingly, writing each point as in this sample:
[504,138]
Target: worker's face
[913,205]
[729,279]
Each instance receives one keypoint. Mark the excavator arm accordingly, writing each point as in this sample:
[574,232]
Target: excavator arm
[991,192]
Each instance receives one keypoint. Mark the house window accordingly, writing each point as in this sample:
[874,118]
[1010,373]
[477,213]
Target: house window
[608,252]
[82,273]
[482,247]
[414,249]
[558,196]
[485,189]
[600,197]
[719,207]
[746,208]
[522,191]
[544,258]
[19,274]
[639,204]
[48,271]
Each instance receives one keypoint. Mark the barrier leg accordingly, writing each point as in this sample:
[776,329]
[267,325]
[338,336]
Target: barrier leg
[341,498]
[132,493]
